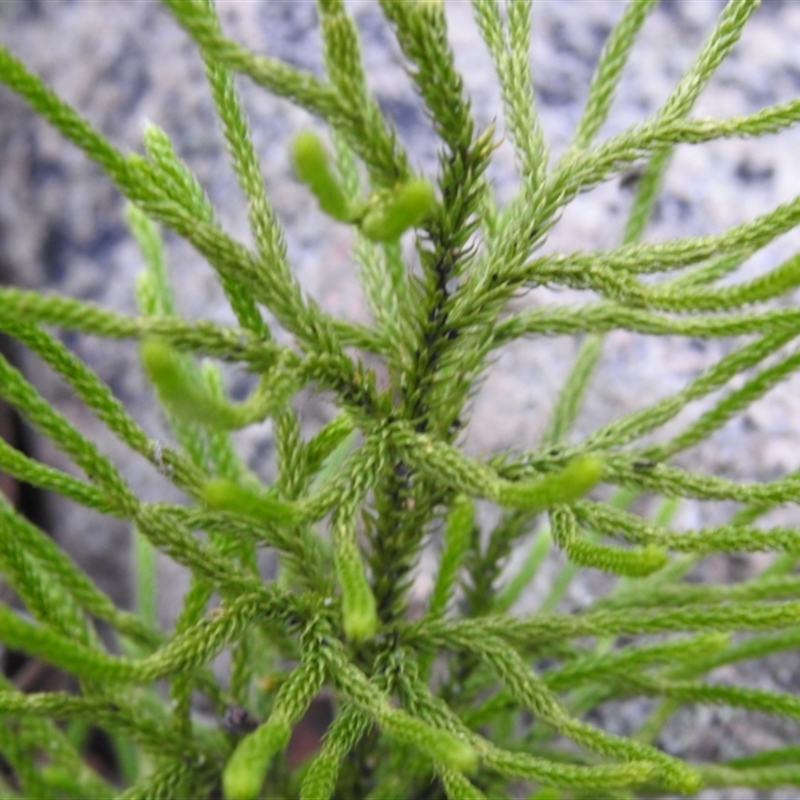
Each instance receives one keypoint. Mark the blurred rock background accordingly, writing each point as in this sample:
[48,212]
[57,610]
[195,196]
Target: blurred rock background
[123,63]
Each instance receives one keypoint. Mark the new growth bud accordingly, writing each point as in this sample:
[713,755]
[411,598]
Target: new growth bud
[226,495]
[635,563]
[244,773]
[382,220]
[311,165]
[405,209]
[571,483]
[359,614]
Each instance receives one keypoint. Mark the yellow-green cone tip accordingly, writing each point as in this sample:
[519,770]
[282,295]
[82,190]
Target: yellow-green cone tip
[157,357]
[360,619]
[463,757]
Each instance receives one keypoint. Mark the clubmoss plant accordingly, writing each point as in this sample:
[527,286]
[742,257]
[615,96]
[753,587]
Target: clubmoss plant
[468,700]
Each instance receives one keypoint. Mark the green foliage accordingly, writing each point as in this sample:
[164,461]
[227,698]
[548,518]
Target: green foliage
[439,705]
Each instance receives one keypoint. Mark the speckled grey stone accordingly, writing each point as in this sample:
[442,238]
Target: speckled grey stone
[122,63]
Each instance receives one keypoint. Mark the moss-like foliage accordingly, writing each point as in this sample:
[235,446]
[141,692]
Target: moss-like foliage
[465,700]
